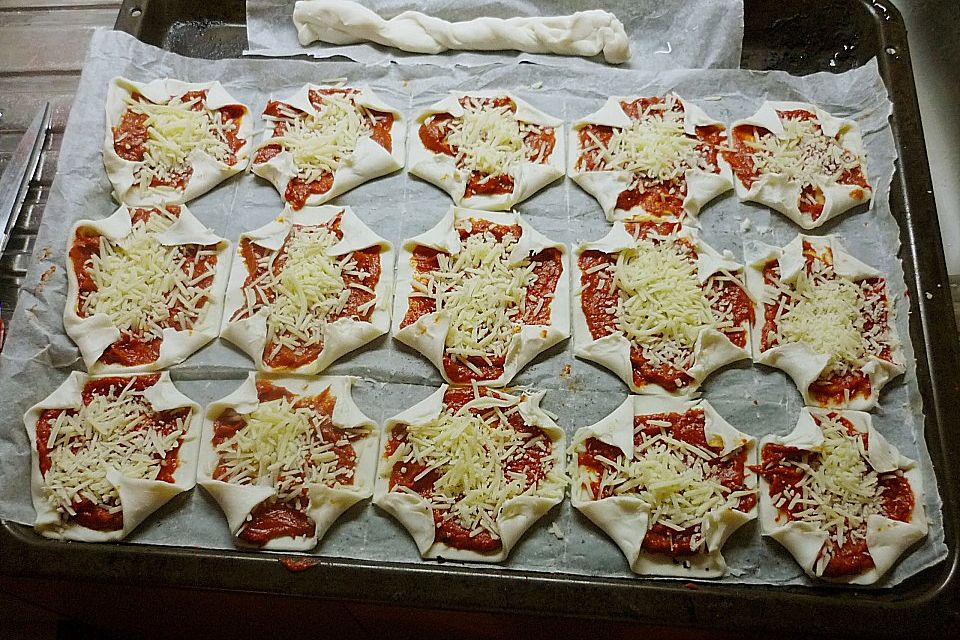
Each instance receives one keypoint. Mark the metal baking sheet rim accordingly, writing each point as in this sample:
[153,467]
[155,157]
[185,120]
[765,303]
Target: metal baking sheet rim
[925,603]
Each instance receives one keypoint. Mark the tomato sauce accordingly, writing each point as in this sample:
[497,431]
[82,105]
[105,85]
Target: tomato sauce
[133,349]
[275,518]
[730,471]
[548,265]
[88,514]
[852,557]
[529,461]
[538,145]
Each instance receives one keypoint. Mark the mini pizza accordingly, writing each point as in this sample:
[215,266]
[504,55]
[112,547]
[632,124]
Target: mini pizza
[308,288]
[488,150]
[839,497]
[284,457]
[659,307]
[144,288]
[824,318]
[169,141]
[799,160]
[468,470]
[656,157]
[669,480]
[107,452]
[480,295]
[323,141]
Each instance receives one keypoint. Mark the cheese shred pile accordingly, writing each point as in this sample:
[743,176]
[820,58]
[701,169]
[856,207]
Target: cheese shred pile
[320,141]
[112,432]
[281,445]
[675,478]
[803,153]
[483,291]
[470,453]
[176,131]
[143,286]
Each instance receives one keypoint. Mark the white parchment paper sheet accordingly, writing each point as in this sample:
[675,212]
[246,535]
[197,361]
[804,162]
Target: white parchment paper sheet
[664,34]
[757,400]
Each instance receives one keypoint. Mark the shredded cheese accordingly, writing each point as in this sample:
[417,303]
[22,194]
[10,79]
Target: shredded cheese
[482,292]
[803,153]
[320,141]
[114,431]
[676,479]
[470,453]
[143,286]
[655,146]
[839,489]
[177,130]
[281,445]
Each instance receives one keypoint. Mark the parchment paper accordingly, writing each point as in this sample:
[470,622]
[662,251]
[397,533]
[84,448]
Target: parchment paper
[755,399]
[664,34]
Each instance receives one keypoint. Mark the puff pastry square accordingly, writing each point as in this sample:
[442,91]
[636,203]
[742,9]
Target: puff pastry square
[284,457]
[799,160]
[839,497]
[323,141]
[649,157]
[144,288]
[307,288]
[488,150]
[169,141]
[659,307]
[669,480]
[469,469]
[108,451]
[480,295]
[826,319]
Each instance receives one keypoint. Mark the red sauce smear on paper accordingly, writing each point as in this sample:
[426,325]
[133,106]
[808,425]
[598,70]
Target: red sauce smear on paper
[852,557]
[548,265]
[88,514]
[450,532]
[687,427]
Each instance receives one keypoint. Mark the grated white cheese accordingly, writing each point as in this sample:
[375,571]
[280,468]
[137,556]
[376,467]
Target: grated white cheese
[139,281]
[176,130]
[803,153]
[655,146]
[281,445]
[676,479]
[319,142]
[113,431]
[470,453]
[482,292]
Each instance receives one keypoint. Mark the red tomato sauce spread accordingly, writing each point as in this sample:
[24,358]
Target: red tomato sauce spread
[538,145]
[132,135]
[88,514]
[655,197]
[275,518]
[687,427]
[367,261]
[529,461]
[852,556]
[299,190]
[134,349]
[831,388]
[740,158]
[598,297]
[548,266]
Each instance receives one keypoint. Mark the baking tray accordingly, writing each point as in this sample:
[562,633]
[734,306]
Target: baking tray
[794,35]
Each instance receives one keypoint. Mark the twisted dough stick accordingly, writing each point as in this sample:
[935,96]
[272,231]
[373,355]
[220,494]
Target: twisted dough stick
[585,33]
